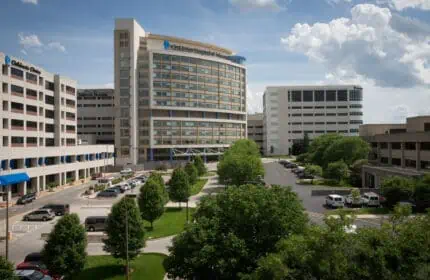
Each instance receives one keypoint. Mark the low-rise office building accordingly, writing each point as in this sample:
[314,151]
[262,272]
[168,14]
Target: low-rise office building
[96,116]
[255,129]
[38,129]
[290,112]
[174,97]
[396,150]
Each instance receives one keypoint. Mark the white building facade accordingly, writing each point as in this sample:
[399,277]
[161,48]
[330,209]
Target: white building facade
[38,129]
[174,97]
[290,112]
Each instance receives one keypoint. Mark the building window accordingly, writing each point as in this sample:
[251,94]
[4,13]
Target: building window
[396,161]
[355,113]
[49,85]
[396,146]
[330,95]
[342,95]
[308,96]
[384,145]
[296,96]
[410,146]
[356,106]
[319,96]
[31,78]
[353,130]
[384,160]
[17,73]
[356,94]
[356,122]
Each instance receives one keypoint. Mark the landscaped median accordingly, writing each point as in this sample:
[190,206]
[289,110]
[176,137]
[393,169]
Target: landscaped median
[360,211]
[198,186]
[172,222]
[146,266]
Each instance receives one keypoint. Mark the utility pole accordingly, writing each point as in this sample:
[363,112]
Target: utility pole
[7,223]
[126,245]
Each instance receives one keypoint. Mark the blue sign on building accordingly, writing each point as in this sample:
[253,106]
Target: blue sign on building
[166,44]
[7,60]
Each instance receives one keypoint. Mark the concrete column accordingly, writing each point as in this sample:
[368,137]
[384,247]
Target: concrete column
[402,146]
[22,188]
[76,174]
[418,155]
[390,156]
[37,181]
[363,178]
[378,152]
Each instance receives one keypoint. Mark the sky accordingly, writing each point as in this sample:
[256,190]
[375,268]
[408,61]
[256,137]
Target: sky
[382,45]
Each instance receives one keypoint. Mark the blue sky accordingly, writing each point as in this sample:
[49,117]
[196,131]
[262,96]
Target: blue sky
[382,44]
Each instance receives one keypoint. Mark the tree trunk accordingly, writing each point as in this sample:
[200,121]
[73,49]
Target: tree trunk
[152,226]
[187,211]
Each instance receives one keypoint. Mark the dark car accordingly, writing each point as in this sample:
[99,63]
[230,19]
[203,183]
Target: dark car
[107,193]
[27,198]
[95,223]
[33,257]
[117,188]
[303,175]
[58,209]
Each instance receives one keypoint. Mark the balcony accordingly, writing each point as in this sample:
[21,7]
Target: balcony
[71,92]
[70,119]
[17,111]
[31,97]
[17,77]
[19,94]
[31,81]
[70,106]
[31,145]
[16,127]
[70,131]
[17,145]
[32,113]
[31,128]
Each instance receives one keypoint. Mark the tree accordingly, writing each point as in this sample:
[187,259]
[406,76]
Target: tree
[124,211]
[160,181]
[232,230]
[348,149]
[6,270]
[337,171]
[179,186]
[318,147]
[64,252]
[241,164]
[422,193]
[355,176]
[151,201]
[297,149]
[396,189]
[200,165]
[305,143]
[356,196]
[314,170]
[192,173]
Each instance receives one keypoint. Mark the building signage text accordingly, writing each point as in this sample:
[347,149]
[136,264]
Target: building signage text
[25,67]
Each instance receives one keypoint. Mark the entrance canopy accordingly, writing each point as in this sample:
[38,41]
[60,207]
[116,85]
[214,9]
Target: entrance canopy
[13,179]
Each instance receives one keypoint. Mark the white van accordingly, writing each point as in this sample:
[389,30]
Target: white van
[371,199]
[334,201]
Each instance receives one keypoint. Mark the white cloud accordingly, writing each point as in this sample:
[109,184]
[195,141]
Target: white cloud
[33,43]
[24,52]
[56,46]
[367,46]
[254,100]
[335,2]
[247,5]
[400,5]
[35,2]
[29,41]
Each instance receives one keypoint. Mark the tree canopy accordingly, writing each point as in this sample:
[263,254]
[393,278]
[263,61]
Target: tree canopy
[232,230]
[179,186]
[115,243]
[396,189]
[337,171]
[64,252]
[6,270]
[200,165]
[192,173]
[151,201]
[241,164]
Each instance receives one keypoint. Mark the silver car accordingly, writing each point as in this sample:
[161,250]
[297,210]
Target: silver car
[40,215]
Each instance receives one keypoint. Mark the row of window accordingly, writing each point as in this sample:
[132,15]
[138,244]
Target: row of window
[95,105]
[193,141]
[195,132]
[325,95]
[199,87]
[95,118]
[318,123]
[198,105]
[19,141]
[325,114]
[407,145]
[323,131]
[32,110]
[96,98]
[197,124]
[352,106]
[198,96]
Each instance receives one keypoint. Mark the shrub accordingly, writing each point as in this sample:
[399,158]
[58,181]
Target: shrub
[192,173]
[200,165]
[6,270]
[337,171]
[396,189]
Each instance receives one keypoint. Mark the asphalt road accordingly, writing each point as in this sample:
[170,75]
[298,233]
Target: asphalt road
[276,174]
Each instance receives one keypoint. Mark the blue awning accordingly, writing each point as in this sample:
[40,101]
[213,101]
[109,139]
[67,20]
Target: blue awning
[13,179]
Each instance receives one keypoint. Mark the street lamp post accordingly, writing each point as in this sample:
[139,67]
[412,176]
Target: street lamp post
[126,245]
[7,223]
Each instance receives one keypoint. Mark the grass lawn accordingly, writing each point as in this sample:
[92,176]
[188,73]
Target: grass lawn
[281,157]
[360,211]
[145,267]
[323,182]
[198,186]
[172,222]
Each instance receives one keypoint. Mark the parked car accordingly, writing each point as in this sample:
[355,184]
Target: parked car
[334,201]
[297,169]
[95,223]
[33,257]
[303,175]
[39,266]
[371,199]
[40,215]
[27,198]
[125,187]
[115,188]
[290,165]
[126,171]
[25,274]
[59,209]
[94,176]
[350,201]
[107,193]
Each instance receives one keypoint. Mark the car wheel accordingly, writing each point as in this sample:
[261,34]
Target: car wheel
[58,214]
[26,219]
[44,219]
[91,229]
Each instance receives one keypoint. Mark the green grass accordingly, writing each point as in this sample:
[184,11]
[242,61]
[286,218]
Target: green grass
[323,182]
[198,186]
[280,156]
[172,222]
[360,211]
[144,267]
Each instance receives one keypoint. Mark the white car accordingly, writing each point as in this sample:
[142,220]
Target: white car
[334,201]
[371,199]
[126,171]
[125,187]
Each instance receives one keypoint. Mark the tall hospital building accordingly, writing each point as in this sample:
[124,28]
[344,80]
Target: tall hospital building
[38,130]
[174,97]
[290,112]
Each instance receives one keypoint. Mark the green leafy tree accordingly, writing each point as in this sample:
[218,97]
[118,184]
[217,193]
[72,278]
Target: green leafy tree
[422,193]
[232,230]
[355,175]
[192,173]
[305,143]
[314,170]
[336,171]
[318,147]
[241,164]
[151,201]
[356,195]
[348,149]
[396,189]
[64,252]
[200,165]
[115,243]
[159,179]
[179,186]
[6,270]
